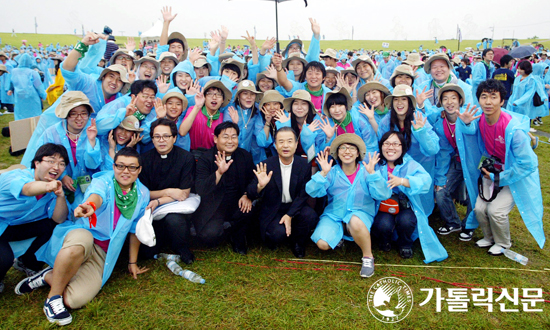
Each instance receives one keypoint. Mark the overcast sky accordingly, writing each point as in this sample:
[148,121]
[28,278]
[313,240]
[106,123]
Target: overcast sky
[378,20]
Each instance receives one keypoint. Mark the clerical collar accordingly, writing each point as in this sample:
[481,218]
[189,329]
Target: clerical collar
[163,156]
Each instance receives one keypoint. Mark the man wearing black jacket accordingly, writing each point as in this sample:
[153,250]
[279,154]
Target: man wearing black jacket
[280,183]
[222,176]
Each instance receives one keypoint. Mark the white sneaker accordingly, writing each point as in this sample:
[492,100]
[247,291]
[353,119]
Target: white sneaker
[532,130]
[484,243]
[495,250]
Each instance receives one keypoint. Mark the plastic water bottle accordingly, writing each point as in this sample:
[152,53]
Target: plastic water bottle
[515,256]
[175,268]
[168,257]
[193,277]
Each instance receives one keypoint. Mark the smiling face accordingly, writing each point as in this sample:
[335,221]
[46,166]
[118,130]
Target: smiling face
[111,83]
[202,71]
[294,48]
[124,60]
[330,80]
[177,49]
[50,168]
[126,178]
[147,71]
[265,84]
[348,153]
[122,136]
[364,70]
[403,79]
[338,112]
[145,100]
[77,119]
[213,98]
[272,107]
[183,80]
[351,79]
[440,71]
[401,105]
[392,148]
[246,99]
[300,108]
[297,66]
[174,108]
[314,77]
[227,141]
[286,145]
[374,98]
[451,102]
[167,65]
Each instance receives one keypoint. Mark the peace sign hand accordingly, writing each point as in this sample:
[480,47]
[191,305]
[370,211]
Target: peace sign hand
[131,108]
[91,132]
[251,40]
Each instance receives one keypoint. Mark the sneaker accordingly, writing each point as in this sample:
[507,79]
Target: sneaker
[484,243]
[535,143]
[447,229]
[532,130]
[496,250]
[406,253]
[56,312]
[536,123]
[540,121]
[18,264]
[466,235]
[33,282]
[367,267]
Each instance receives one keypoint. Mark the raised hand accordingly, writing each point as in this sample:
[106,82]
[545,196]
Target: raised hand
[234,114]
[161,84]
[271,72]
[277,60]
[267,45]
[341,82]
[222,164]
[468,115]
[131,108]
[423,96]
[160,109]
[251,40]
[232,75]
[327,128]
[315,125]
[130,44]
[91,132]
[224,33]
[267,114]
[112,142]
[315,28]
[322,159]
[194,88]
[134,140]
[194,54]
[281,116]
[167,15]
[199,100]
[364,109]
[131,72]
[419,120]
[373,160]
[262,175]
[90,38]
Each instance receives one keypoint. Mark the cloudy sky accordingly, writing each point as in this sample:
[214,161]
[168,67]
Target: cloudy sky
[377,20]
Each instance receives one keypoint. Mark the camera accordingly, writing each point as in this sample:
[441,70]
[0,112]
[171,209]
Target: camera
[489,165]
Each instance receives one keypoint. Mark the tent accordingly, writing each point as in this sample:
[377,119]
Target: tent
[153,34]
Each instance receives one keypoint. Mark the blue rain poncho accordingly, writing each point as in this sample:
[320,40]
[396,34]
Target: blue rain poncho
[247,125]
[479,75]
[5,81]
[430,105]
[521,100]
[538,75]
[28,89]
[43,66]
[102,185]
[520,174]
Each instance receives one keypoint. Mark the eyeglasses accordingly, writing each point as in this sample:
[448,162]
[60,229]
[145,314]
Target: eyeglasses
[162,137]
[122,167]
[149,67]
[53,163]
[146,97]
[74,115]
[389,144]
[347,148]
[214,94]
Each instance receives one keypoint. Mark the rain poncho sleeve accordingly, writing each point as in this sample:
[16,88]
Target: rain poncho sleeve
[314,49]
[214,61]
[111,115]
[538,75]
[88,64]
[102,185]
[265,143]
[443,157]
[479,75]
[253,70]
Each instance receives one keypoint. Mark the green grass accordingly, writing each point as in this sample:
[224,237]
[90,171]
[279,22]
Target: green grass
[265,289]
[67,39]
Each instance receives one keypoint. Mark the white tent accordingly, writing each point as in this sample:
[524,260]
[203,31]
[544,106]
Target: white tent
[153,33]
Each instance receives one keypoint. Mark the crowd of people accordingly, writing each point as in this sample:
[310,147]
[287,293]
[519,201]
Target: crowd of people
[291,146]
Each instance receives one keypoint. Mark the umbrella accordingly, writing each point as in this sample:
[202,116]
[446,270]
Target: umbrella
[499,52]
[277,20]
[522,51]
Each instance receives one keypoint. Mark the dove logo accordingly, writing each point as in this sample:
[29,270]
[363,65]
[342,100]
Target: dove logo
[390,300]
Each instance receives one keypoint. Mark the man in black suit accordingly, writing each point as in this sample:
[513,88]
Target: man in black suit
[222,176]
[281,184]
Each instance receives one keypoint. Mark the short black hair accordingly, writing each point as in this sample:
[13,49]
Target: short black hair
[357,160]
[505,60]
[338,99]
[225,125]
[171,41]
[404,148]
[286,129]
[232,67]
[139,85]
[164,122]
[48,150]
[486,51]
[138,53]
[214,88]
[465,60]
[526,66]
[128,152]
[492,85]
[313,64]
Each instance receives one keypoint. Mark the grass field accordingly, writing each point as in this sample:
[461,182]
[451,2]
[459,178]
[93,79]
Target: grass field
[66,39]
[268,290]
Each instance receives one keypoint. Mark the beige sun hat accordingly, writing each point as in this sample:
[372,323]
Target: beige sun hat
[3,54]
[263,75]
[248,85]
[177,95]
[225,56]
[179,36]
[218,84]
[398,91]
[349,138]
[438,56]
[200,62]
[294,56]
[330,69]
[349,70]
[364,58]
[300,94]
[329,52]
[239,64]
[3,68]
[168,55]
[293,41]
[399,70]
[272,96]
[342,91]
[121,52]
[371,85]
[149,59]
[131,123]
[123,75]
[456,60]
[71,100]
[451,87]
[413,59]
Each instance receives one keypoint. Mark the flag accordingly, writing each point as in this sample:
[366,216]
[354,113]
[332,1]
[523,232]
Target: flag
[459,33]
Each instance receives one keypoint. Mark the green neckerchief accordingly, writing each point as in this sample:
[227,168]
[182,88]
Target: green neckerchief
[126,203]
[210,118]
[437,86]
[317,93]
[381,112]
[139,115]
[487,65]
[345,122]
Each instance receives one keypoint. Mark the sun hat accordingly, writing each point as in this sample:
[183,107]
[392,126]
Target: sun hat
[399,70]
[263,75]
[349,70]
[149,59]
[398,91]
[271,96]
[371,85]
[293,41]
[413,59]
[121,52]
[438,56]
[329,52]
[349,138]
[451,87]
[179,36]
[330,69]
[131,123]
[218,84]
[200,62]
[248,85]
[233,61]
[3,68]
[364,58]
[342,91]
[225,56]
[71,100]
[300,94]
[168,55]
[294,56]
[177,95]
[121,70]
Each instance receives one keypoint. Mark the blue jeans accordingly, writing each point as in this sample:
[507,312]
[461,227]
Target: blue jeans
[443,197]
[404,223]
